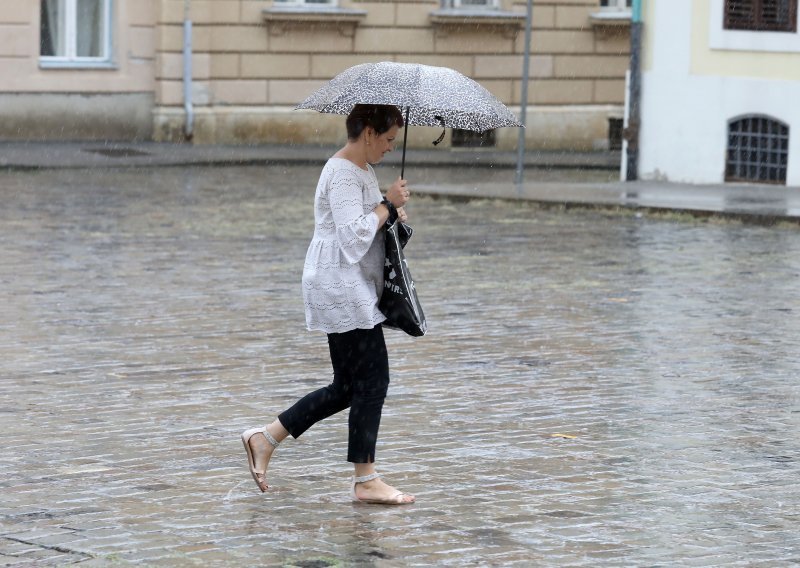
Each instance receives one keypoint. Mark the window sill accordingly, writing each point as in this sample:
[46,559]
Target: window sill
[453,19]
[78,65]
[611,19]
[346,20]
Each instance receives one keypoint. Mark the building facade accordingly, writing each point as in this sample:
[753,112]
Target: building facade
[720,85]
[114,69]
[70,74]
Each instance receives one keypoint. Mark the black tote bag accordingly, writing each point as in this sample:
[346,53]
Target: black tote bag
[399,302]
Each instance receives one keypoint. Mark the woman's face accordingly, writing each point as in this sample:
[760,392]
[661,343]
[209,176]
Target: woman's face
[379,144]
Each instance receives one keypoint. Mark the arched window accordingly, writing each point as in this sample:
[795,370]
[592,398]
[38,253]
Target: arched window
[758,150]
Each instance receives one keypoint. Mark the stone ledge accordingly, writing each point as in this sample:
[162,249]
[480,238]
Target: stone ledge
[611,19]
[345,20]
[454,19]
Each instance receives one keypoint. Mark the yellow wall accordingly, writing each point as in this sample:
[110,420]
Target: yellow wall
[730,63]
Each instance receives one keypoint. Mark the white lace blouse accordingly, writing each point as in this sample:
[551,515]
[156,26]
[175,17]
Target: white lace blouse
[343,271]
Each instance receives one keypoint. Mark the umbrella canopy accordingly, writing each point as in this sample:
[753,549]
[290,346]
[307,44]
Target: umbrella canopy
[430,96]
[434,96]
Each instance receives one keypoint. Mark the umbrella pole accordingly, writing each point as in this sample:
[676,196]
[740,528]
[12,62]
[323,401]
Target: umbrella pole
[405,138]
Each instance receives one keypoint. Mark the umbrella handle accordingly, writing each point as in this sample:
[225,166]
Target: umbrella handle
[444,131]
[405,139]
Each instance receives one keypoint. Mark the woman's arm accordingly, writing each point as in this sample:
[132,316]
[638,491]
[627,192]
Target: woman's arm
[355,230]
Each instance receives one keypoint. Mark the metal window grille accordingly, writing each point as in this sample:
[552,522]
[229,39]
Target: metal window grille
[470,139]
[758,150]
[761,15]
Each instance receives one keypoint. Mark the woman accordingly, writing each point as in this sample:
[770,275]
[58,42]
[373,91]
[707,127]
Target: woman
[342,282]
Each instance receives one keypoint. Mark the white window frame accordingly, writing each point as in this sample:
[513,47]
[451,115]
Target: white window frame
[748,40]
[71,59]
[615,13]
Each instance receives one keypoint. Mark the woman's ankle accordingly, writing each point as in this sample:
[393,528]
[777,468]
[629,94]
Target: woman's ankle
[277,431]
[363,469]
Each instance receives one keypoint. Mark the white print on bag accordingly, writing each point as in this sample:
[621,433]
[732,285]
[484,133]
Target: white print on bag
[394,287]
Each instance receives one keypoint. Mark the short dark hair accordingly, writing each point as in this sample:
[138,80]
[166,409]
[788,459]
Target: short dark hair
[380,117]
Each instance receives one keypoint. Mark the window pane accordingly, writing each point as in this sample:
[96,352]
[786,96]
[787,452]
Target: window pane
[775,12]
[52,37]
[618,4]
[740,14]
[90,24]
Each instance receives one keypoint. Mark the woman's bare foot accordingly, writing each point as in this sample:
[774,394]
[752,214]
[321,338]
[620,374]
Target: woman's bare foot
[259,444]
[376,491]
[262,453]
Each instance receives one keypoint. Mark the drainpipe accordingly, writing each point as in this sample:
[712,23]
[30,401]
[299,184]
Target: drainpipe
[187,71]
[634,119]
[524,96]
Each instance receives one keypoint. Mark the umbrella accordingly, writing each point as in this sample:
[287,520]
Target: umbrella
[430,96]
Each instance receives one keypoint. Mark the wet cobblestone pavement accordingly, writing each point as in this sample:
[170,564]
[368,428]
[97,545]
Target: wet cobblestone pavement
[595,389]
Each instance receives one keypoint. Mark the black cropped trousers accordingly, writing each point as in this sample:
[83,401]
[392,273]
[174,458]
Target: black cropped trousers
[360,382]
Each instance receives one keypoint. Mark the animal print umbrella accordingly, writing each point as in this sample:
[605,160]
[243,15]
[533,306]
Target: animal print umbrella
[430,96]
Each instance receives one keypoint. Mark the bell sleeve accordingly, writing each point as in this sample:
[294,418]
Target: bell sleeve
[355,229]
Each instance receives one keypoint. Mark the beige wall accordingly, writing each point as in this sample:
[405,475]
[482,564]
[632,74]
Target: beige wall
[248,73]
[71,103]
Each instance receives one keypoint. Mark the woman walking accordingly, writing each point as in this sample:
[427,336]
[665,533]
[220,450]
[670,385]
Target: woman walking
[342,283]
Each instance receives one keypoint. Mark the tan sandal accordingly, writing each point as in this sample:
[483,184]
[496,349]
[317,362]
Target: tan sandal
[251,462]
[395,499]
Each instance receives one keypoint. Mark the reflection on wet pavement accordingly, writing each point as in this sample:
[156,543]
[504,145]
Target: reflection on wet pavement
[596,389]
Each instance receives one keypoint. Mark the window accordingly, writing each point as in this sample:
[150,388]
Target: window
[471,4]
[615,130]
[612,13]
[470,139]
[758,150]
[75,32]
[616,4]
[761,15]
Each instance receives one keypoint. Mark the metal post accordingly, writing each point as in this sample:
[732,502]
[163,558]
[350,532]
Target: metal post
[187,71]
[526,63]
[634,119]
